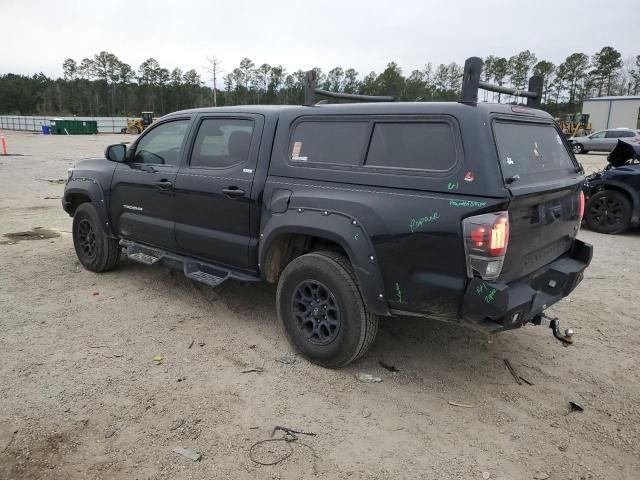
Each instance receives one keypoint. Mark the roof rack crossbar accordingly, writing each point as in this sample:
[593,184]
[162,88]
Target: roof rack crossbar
[310,92]
[471,83]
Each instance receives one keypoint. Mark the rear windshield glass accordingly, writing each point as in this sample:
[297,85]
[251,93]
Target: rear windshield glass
[535,153]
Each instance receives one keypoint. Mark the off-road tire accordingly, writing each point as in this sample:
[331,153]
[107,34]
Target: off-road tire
[608,211]
[106,251]
[357,327]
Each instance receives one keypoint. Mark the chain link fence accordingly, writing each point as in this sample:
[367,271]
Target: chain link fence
[35,124]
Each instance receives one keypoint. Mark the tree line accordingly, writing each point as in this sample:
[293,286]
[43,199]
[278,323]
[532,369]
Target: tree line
[106,86]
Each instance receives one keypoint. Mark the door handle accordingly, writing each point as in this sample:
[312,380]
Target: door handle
[233,192]
[164,184]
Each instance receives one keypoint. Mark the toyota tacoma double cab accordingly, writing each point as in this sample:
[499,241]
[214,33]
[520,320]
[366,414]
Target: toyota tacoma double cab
[464,212]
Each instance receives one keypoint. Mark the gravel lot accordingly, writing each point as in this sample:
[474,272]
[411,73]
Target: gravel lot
[81,397]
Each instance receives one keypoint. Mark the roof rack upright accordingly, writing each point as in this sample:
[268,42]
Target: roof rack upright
[311,90]
[471,83]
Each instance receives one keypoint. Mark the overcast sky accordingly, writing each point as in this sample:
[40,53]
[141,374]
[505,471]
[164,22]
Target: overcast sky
[366,35]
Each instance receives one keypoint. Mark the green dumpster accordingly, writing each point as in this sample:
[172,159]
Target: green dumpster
[73,127]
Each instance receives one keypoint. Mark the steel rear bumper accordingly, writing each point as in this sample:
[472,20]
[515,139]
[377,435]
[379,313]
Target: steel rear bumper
[496,306]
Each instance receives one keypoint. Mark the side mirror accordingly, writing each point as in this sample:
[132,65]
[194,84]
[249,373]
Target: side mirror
[116,153]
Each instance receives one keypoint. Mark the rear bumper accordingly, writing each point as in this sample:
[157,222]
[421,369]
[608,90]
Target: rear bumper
[497,306]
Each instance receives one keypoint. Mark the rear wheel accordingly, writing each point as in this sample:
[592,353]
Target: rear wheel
[578,148]
[608,211]
[95,250]
[322,311]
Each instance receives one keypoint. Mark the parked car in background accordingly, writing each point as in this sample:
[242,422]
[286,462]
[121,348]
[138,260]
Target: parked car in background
[603,140]
[613,194]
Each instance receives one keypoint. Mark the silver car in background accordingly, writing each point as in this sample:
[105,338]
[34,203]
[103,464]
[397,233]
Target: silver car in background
[603,140]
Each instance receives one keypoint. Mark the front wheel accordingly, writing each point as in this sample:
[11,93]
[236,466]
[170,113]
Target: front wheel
[322,311]
[608,211]
[95,250]
[577,148]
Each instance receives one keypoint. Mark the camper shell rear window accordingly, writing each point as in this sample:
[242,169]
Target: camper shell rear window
[531,153]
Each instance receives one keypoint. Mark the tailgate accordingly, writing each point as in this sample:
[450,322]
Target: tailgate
[542,227]
[545,183]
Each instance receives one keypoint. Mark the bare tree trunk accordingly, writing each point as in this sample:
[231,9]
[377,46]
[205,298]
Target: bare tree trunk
[214,69]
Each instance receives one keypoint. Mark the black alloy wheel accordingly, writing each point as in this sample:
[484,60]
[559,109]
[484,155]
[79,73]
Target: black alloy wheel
[316,312]
[87,239]
[608,211]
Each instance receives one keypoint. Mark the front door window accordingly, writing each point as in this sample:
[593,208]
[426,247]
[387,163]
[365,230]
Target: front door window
[162,145]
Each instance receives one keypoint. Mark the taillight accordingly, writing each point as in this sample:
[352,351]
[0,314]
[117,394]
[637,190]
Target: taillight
[581,204]
[486,238]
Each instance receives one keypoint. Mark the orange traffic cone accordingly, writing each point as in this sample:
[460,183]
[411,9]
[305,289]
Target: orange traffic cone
[4,143]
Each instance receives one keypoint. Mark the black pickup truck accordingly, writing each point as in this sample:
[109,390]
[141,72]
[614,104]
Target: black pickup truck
[461,212]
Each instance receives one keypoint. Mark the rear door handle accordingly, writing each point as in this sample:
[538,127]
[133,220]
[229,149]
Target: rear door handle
[233,192]
[164,184]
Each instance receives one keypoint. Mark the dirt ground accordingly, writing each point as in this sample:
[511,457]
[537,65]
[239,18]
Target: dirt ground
[81,397]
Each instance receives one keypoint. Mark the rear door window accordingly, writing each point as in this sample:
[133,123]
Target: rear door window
[331,142]
[531,153]
[222,142]
[417,146]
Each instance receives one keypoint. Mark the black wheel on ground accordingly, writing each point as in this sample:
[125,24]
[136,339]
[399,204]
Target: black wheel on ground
[95,250]
[322,311]
[608,211]
[578,148]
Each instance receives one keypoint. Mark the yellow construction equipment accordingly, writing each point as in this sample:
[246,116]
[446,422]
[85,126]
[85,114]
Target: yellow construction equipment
[575,125]
[138,125]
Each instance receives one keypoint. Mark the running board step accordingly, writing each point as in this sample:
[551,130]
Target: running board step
[145,255]
[193,269]
[205,273]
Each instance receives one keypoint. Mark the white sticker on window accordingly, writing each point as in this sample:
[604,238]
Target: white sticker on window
[558,139]
[535,149]
[297,148]
[298,158]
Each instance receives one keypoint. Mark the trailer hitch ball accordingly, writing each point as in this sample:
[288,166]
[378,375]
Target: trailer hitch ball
[554,325]
[567,338]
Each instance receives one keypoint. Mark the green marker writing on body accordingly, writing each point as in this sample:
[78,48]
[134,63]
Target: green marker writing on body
[398,292]
[416,223]
[466,203]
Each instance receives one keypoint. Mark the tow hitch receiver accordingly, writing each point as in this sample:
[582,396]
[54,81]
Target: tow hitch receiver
[554,325]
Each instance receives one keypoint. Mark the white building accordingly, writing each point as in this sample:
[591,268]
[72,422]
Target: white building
[613,112]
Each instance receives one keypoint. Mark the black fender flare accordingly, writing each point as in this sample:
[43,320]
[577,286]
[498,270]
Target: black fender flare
[596,186]
[341,228]
[90,188]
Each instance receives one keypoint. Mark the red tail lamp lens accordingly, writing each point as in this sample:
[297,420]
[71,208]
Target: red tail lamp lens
[477,236]
[499,236]
[581,204]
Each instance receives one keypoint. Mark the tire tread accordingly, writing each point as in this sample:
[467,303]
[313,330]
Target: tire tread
[109,248]
[368,320]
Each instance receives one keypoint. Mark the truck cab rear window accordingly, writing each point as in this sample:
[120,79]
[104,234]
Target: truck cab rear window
[339,143]
[531,153]
[418,146]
